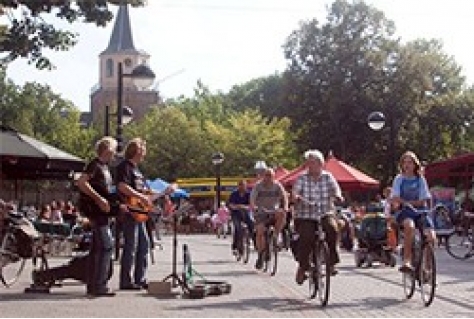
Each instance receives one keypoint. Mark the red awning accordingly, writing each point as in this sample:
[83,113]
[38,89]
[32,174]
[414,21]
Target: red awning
[348,177]
[462,166]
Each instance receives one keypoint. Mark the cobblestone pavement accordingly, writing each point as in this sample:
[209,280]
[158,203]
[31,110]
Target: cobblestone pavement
[355,292]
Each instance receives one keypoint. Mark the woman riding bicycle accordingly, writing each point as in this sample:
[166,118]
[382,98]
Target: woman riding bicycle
[410,194]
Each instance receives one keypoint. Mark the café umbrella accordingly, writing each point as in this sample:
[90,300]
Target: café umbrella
[25,158]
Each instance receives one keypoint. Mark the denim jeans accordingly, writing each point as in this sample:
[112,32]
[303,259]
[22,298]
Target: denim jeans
[135,252]
[100,261]
[237,218]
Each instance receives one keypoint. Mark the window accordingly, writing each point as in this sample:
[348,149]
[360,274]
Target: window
[109,68]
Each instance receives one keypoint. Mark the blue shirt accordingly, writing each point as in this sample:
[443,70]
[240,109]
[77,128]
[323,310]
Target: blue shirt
[410,188]
[239,199]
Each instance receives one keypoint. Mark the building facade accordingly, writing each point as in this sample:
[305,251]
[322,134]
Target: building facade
[121,49]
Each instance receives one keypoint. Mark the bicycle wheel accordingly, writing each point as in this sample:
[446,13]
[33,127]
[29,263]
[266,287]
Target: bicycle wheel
[267,256]
[408,280]
[323,273]
[245,246]
[460,244]
[313,275]
[11,263]
[427,275]
[273,253]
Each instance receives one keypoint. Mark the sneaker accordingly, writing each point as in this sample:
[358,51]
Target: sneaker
[259,262]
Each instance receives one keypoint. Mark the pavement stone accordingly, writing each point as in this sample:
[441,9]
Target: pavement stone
[355,292]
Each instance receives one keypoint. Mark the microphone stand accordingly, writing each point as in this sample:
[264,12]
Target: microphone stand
[176,279]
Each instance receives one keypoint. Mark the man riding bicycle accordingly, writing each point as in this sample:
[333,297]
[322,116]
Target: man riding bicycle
[314,193]
[269,202]
[238,203]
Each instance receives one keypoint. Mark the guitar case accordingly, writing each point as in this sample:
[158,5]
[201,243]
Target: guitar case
[75,269]
[202,288]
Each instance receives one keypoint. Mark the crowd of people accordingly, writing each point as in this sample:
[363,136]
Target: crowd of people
[313,199]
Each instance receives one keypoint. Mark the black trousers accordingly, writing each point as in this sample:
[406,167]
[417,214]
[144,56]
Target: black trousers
[306,229]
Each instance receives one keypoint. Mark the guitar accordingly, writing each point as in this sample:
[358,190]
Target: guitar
[141,211]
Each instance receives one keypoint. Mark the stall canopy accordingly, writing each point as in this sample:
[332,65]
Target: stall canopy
[23,157]
[461,166]
[348,177]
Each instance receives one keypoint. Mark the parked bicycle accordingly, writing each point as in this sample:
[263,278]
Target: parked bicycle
[460,243]
[19,242]
[423,262]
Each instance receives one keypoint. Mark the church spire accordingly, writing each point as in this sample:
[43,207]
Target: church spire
[121,39]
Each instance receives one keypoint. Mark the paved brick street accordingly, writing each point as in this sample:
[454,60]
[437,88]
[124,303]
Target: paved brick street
[355,292]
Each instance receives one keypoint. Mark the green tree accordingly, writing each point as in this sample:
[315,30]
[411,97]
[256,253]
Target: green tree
[176,145]
[28,31]
[36,111]
[248,136]
[265,94]
[342,70]
[182,137]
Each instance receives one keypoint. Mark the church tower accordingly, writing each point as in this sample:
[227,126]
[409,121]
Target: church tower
[121,49]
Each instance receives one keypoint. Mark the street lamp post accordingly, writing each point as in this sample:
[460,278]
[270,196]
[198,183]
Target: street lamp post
[376,121]
[142,77]
[126,118]
[217,160]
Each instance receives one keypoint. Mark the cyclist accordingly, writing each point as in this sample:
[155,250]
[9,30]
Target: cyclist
[318,187]
[410,193]
[269,202]
[238,203]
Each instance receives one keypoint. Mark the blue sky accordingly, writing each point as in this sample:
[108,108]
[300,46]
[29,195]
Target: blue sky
[229,42]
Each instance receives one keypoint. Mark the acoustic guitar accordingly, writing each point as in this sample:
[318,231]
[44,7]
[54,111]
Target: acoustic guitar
[141,211]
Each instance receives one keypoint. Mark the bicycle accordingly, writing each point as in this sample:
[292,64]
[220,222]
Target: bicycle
[423,262]
[17,246]
[460,243]
[270,253]
[243,245]
[242,251]
[319,272]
